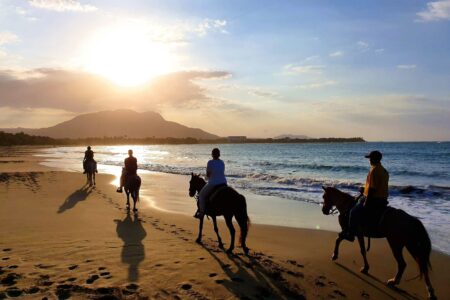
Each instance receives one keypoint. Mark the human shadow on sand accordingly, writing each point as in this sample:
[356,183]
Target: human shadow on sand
[265,279]
[77,196]
[132,233]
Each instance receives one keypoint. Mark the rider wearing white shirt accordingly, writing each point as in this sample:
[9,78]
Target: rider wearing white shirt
[215,173]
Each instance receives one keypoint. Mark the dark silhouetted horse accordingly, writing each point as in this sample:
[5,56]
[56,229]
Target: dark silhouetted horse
[225,202]
[132,187]
[90,172]
[399,228]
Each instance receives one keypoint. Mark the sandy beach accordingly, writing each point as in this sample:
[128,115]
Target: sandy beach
[60,238]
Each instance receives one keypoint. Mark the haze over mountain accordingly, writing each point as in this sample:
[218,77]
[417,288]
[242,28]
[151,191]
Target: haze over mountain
[127,123]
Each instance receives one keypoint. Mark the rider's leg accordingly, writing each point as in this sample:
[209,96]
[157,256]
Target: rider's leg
[122,181]
[354,222]
[202,196]
[84,166]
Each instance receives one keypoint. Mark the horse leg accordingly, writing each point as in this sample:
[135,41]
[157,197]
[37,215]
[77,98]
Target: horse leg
[229,221]
[216,229]
[134,196]
[93,176]
[200,228]
[128,200]
[397,250]
[362,247]
[242,221]
[430,288]
[336,247]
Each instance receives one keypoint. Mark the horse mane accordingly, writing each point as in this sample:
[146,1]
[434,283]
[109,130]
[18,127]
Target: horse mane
[341,193]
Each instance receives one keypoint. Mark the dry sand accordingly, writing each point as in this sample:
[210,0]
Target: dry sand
[60,238]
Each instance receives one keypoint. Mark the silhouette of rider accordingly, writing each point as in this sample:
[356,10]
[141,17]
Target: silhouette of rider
[215,174]
[374,199]
[130,169]
[88,157]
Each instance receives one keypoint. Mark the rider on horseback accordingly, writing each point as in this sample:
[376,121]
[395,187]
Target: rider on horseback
[374,199]
[89,156]
[215,173]
[129,170]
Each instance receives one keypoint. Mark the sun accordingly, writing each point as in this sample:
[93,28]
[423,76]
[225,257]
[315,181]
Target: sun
[126,55]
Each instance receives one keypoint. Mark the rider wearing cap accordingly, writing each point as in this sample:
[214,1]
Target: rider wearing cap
[89,156]
[129,169]
[375,195]
[215,173]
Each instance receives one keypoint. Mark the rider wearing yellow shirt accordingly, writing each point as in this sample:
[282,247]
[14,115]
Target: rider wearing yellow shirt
[374,198]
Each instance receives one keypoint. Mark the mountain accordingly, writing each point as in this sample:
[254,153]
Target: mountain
[291,136]
[116,123]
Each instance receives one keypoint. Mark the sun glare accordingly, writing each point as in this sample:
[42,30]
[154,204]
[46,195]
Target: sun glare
[126,55]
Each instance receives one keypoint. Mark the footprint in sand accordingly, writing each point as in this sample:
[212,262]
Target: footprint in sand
[219,281]
[5,258]
[91,279]
[132,286]
[71,279]
[212,274]
[72,267]
[7,249]
[101,268]
[32,290]
[186,286]
[13,267]
[104,273]
[319,283]
[14,292]
[365,295]
[201,258]
[338,292]
[10,279]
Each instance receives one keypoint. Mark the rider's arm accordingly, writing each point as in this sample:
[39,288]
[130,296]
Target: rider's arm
[208,171]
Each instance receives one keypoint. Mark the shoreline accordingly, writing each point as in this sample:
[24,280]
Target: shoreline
[58,224]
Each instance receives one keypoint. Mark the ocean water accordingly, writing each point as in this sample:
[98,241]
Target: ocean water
[419,172]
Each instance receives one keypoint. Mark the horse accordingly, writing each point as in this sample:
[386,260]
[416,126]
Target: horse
[226,202]
[90,172]
[399,228]
[131,187]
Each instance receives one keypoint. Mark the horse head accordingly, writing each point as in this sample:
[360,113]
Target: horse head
[328,202]
[195,184]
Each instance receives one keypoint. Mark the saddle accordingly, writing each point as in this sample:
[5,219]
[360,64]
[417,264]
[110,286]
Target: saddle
[217,189]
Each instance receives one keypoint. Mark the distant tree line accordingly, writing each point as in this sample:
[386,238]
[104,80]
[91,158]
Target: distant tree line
[12,139]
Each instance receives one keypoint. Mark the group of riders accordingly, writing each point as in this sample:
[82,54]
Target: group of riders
[372,201]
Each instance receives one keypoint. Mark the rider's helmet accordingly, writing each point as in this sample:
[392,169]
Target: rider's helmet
[215,153]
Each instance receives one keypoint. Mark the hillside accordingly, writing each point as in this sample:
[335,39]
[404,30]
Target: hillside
[125,123]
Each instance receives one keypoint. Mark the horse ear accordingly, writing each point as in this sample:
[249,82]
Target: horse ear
[324,188]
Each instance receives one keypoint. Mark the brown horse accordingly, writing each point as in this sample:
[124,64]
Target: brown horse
[226,202]
[90,172]
[399,228]
[132,187]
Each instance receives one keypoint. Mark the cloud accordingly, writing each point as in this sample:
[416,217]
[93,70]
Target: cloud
[362,46]
[436,11]
[336,54]
[81,92]
[211,25]
[301,69]
[7,37]
[406,67]
[62,5]
[318,85]
[379,51]
[263,93]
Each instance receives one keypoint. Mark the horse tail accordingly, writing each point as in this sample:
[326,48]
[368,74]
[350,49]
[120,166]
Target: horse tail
[419,245]
[243,219]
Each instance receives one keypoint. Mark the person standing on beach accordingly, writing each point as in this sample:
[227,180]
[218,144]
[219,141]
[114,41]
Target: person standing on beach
[89,156]
[215,174]
[375,197]
[130,169]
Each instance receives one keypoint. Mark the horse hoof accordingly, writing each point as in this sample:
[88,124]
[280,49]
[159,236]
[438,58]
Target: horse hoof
[364,270]
[221,246]
[392,282]
[246,250]
[334,257]
[198,241]
[230,251]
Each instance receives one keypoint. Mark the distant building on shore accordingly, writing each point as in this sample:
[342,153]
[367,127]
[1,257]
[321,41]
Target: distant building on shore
[237,138]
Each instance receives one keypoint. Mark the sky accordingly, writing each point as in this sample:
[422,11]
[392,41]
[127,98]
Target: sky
[373,69]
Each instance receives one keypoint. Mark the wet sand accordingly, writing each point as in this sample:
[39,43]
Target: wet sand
[60,238]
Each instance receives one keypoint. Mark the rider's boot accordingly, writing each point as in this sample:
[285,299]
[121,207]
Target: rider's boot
[84,172]
[347,235]
[119,189]
[198,214]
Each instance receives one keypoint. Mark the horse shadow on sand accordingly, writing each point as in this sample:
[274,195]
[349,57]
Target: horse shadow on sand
[79,195]
[369,278]
[132,233]
[262,274]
